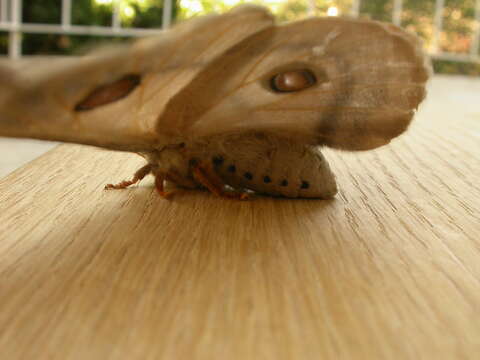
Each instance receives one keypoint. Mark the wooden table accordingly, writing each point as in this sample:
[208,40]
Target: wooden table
[389,269]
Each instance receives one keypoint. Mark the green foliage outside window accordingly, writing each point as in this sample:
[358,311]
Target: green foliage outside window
[417,16]
[133,13]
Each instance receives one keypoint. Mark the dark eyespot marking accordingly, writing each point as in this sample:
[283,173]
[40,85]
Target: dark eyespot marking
[109,93]
[232,168]
[284,183]
[290,81]
[305,185]
[248,176]
[266,179]
[217,160]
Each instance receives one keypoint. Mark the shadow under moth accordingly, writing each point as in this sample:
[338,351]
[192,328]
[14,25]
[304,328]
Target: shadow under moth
[228,102]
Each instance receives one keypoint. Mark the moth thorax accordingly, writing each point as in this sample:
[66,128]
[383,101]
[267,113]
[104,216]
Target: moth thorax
[173,160]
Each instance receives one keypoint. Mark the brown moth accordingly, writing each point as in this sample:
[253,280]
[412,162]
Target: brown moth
[229,99]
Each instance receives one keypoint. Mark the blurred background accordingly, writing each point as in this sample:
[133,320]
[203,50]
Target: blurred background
[62,27]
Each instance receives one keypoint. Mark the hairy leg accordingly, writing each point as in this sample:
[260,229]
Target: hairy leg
[159,185]
[138,176]
[206,175]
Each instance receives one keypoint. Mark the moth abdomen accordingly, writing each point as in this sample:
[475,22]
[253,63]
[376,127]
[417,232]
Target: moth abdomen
[289,185]
[273,166]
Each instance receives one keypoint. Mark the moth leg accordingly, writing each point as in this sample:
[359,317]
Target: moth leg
[138,176]
[159,185]
[178,179]
[206,176]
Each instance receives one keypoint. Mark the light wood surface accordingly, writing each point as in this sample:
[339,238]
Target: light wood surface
[389,269]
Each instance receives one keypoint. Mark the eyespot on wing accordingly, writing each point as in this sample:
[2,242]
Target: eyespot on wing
[290,81]
[106,94]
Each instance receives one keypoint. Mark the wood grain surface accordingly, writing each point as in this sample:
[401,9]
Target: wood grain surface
[389,269]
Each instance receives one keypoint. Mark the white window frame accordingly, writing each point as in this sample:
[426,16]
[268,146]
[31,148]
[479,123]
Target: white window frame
[10,21]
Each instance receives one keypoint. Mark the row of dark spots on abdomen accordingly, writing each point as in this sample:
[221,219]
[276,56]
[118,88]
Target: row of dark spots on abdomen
[231,168]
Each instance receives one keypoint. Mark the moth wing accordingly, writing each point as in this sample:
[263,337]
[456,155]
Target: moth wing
[114,97]
[369,78]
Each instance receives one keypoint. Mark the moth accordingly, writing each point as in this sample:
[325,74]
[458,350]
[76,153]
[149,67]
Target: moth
[228,102]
